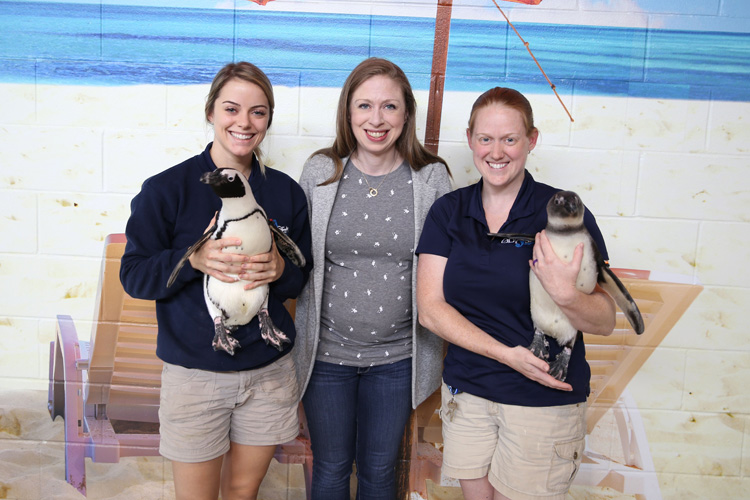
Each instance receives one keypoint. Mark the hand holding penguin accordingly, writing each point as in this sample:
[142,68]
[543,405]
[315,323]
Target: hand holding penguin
[255,270]
[211,258]
[263,269]
[245,233]
[522,360]
[568,248]
[555,273]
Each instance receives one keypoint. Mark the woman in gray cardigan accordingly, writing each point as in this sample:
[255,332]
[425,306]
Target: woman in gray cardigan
[363,361]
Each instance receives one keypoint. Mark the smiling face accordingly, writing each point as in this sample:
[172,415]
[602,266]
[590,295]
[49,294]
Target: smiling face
[500,146]
[377,113]
[240,119]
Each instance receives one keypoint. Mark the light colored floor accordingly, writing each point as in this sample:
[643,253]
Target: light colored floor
[32,462]
[32,465]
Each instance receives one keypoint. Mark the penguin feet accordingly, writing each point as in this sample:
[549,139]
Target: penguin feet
[268,331]
[559,367]
[223,340]
[539,347]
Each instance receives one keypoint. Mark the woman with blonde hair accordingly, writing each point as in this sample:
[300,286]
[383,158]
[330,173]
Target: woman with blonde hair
[213,403]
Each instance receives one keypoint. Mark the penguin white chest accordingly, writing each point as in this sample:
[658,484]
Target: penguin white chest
[232,302]
[253,231]
[546,315]
[235,304]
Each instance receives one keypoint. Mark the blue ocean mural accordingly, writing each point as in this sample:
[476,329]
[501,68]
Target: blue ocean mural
[103,44]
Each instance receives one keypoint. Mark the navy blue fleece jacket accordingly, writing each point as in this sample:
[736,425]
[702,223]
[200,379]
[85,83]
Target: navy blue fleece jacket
[170,214]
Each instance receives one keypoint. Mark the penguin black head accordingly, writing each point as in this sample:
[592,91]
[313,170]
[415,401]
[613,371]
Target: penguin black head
[565,208]
[226,182]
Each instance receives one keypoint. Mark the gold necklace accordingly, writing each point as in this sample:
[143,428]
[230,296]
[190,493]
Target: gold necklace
[373,191]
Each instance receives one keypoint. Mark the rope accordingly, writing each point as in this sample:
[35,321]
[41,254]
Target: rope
[526,44]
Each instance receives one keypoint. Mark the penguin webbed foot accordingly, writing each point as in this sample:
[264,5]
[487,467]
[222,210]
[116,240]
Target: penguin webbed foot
[559,367]
[268,331]
[539,346]
[223,340]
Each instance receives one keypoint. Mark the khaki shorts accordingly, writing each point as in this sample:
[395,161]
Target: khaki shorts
[526,452]
[201,411]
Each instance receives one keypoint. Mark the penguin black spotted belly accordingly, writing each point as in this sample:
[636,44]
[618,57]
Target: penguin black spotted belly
[565,230]
[229,304]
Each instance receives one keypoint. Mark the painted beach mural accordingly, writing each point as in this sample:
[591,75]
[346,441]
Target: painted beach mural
[643,108]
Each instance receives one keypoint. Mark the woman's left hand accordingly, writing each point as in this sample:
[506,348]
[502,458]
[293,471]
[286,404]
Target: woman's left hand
[556,276]
[263,268]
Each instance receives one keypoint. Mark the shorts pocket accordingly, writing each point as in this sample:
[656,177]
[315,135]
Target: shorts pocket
[185,392]
[565,464]
[176,375]
[279,382]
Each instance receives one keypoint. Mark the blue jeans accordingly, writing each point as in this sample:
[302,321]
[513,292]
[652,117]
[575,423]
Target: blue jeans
[357,414]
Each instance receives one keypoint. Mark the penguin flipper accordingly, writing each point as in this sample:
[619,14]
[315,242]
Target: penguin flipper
[190,251]
[526,238]
[287,246]
[614,287]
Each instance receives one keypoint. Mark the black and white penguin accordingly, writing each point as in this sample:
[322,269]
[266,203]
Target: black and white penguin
[565,230]
[229,304]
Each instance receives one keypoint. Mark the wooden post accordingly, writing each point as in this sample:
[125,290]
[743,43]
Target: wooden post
[403,466]
[437,77]
[431,142]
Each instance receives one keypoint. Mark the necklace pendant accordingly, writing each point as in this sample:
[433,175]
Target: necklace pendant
[373,192]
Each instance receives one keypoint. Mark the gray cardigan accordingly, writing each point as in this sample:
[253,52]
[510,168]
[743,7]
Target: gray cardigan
[429,183]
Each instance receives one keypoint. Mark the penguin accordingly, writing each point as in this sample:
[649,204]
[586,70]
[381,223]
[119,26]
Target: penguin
[229,304]
[565,230]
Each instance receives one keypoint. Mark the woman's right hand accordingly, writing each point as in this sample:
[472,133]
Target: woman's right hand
[444,320]
[212,260]
[523,361]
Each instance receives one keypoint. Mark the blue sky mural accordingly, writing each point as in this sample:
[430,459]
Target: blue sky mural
[123,42]
[733,13]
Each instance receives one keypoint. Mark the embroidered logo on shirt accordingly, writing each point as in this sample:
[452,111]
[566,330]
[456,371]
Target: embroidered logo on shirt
[514,241]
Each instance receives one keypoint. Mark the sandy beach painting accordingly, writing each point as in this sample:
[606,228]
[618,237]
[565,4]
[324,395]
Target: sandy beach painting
[100,94]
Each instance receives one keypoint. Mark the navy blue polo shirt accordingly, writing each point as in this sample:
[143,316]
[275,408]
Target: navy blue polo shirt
[487,280]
